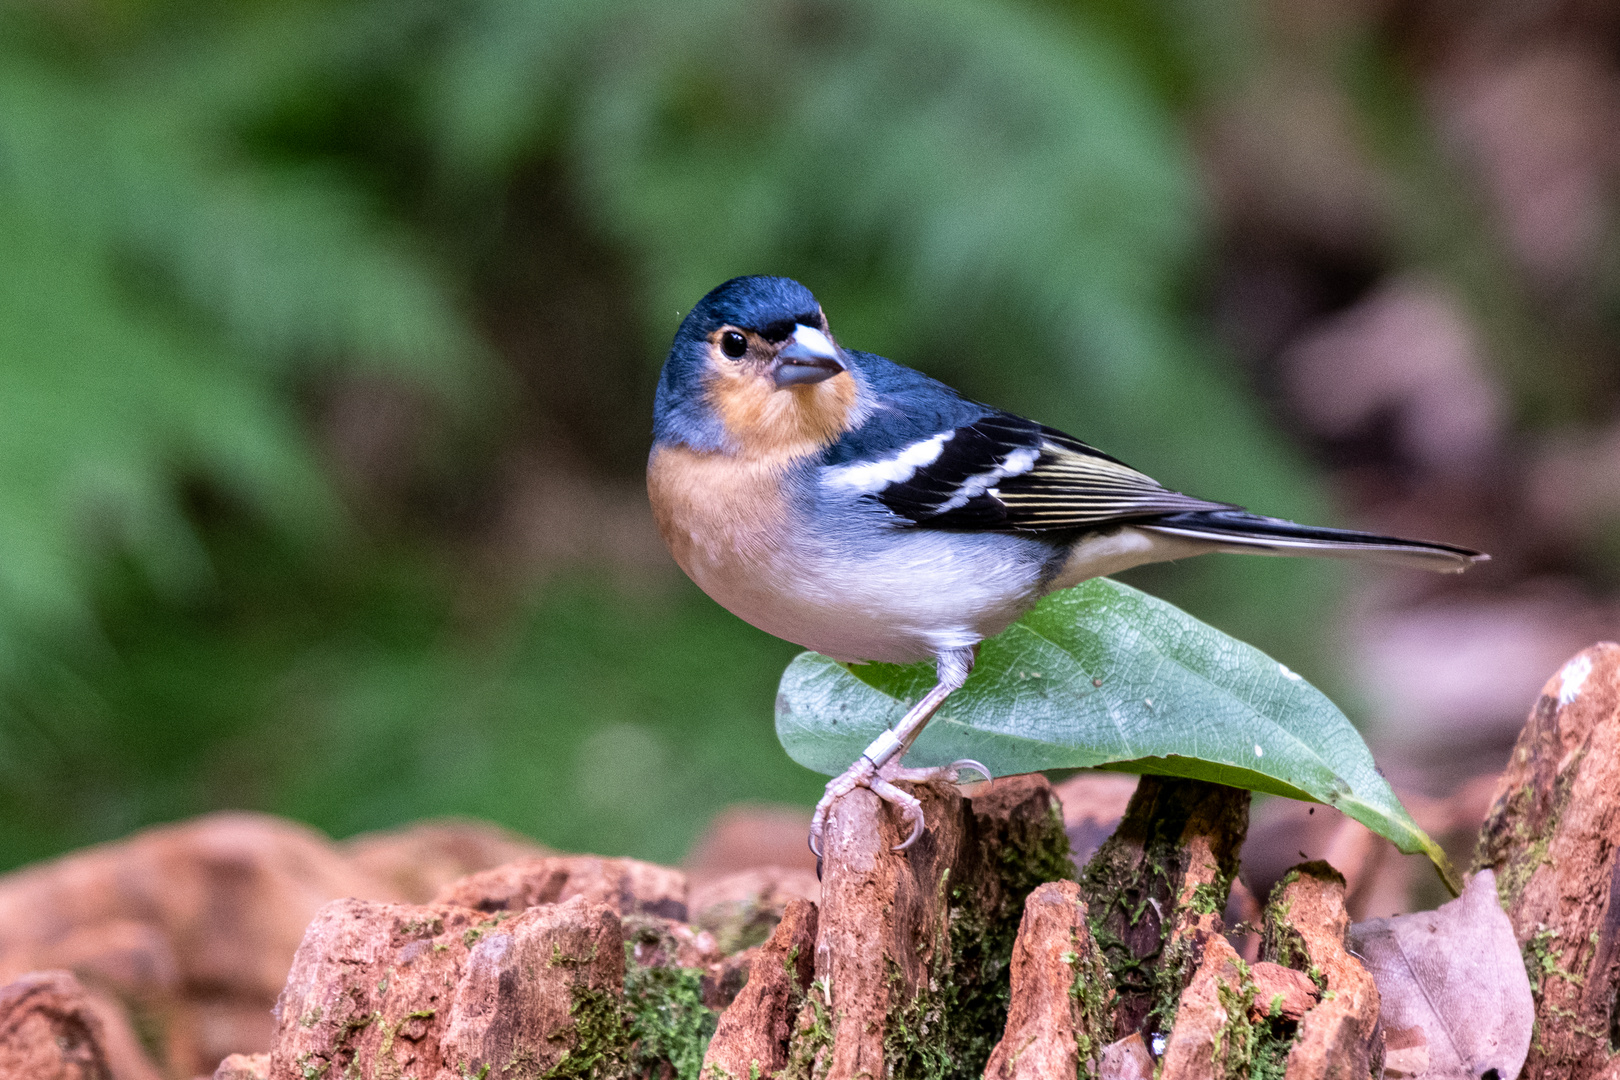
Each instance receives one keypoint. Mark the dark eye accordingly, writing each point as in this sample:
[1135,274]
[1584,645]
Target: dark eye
[733,344]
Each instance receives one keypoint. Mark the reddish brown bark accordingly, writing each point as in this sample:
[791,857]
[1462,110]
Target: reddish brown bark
[438,992]
[1200,1044]
[244,1067]
[1553,838]
[754,1033]
[1058,1015]
[52,1029]
[1290,993]
[1306,924]
[628,886]
[915,946]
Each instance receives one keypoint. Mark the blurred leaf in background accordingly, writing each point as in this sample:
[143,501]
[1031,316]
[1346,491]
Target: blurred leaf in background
[328,331]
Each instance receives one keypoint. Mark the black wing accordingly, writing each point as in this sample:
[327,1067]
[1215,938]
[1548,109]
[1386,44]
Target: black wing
[1003,473]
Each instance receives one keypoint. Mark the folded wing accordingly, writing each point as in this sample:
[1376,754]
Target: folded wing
[1003,473]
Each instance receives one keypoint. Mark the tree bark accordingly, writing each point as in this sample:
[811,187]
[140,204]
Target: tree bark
[1155,891]
[913,956]
[1058,1017]
[1306,927]
[1553,838]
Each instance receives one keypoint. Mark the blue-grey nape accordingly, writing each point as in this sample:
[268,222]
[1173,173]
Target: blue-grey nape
[900,407]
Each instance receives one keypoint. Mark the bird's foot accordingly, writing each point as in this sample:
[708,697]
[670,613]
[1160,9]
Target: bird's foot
[880,779]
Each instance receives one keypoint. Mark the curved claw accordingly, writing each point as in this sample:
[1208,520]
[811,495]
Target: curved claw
[968,763]
[909,807]
[916,831]
[817,824]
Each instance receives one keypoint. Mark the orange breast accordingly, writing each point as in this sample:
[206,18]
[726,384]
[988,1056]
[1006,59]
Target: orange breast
[715,509]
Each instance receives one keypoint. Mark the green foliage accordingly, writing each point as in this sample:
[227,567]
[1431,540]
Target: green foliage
[157,297]
[363,706]
[1105,675]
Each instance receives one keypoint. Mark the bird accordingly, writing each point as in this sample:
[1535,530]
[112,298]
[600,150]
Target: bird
[863,510]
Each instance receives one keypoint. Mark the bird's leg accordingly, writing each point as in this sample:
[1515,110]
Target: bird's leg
[879,764]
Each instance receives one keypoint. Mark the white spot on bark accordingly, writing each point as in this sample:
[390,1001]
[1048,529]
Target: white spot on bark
[1572,678]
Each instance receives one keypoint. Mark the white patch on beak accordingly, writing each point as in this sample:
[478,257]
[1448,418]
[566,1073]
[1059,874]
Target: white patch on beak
[814,342]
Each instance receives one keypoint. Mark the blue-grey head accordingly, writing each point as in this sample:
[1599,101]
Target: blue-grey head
[754,371]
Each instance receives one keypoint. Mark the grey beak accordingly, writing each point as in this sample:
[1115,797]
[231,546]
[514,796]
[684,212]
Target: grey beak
[808,358]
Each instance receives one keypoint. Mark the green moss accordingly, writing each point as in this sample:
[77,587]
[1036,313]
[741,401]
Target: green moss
[1282,942]
[470,937]
[1174,966]
[1209,898]
[1162,973]
[1540,962]
[658,1027]
[1124,884]
[1037,859]
[387,1068]
[599,1038]
[1090,993]
[812,1039]
[429,927]
[915,1036]
[1125,968]
[1515,853]
[665,1018]
[947,1028]
[1246,1048]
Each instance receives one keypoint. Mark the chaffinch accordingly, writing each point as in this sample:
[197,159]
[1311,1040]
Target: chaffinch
[868,512]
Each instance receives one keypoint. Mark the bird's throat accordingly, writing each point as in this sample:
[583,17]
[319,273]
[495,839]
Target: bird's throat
[767,424]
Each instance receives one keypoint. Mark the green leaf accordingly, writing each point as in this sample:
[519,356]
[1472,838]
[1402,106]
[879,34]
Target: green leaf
[1103,675]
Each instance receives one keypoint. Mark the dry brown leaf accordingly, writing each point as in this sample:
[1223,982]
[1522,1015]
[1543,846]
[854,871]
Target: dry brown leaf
[1455,998]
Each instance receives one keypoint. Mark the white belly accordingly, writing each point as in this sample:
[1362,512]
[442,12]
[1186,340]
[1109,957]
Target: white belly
[915,596]
[898,595]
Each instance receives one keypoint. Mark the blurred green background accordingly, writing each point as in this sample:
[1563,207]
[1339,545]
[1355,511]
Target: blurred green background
[328,333]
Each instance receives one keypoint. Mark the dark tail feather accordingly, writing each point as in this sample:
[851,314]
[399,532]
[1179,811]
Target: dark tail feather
[1240,531]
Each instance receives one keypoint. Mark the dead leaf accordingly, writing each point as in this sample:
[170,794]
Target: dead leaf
[1126,1059]
[1455,999]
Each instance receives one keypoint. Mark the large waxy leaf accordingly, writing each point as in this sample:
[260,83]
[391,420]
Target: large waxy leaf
[1105,675]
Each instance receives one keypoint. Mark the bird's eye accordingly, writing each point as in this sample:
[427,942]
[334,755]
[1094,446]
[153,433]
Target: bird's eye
[733,344]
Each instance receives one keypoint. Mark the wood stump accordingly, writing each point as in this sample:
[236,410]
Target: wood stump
[1156,889]
[51,1028]
[1553,838]
[1061,1006]
[912,963]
